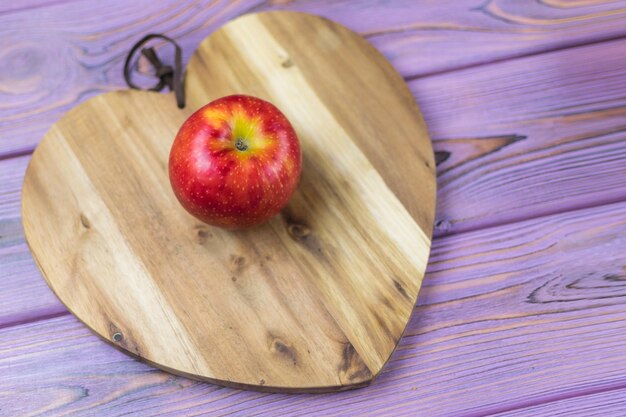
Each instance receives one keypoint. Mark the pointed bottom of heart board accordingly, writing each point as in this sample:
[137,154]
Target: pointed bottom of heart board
[314,300]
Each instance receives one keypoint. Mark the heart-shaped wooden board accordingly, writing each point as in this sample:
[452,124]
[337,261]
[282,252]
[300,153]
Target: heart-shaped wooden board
[315,300]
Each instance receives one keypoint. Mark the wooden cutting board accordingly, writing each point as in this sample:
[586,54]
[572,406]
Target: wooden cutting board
[315,300]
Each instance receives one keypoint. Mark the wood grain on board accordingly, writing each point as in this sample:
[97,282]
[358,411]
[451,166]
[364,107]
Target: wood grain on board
[53,55]
[509,318]
[315,300]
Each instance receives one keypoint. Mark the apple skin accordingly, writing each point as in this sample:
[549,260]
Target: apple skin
[235,162]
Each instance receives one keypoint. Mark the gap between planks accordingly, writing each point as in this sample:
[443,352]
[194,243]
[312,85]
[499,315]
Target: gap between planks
[34,317]
[16,154]
[535,214]
[547,399]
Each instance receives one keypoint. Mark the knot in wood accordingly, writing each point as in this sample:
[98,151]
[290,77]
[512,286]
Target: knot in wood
[298,231]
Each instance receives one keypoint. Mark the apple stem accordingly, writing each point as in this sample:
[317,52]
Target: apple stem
[241,145]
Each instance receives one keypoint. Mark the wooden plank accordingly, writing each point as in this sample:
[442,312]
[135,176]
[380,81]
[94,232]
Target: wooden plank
[528,137]
[30,5]
[54,56]
[11,178]
[422,37]
[509,317]
[586,404]
[23,294]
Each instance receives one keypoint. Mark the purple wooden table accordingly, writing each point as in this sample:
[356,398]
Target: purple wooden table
[523,309]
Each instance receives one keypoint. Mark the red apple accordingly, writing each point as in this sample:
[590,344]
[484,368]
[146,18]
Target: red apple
[235,162]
